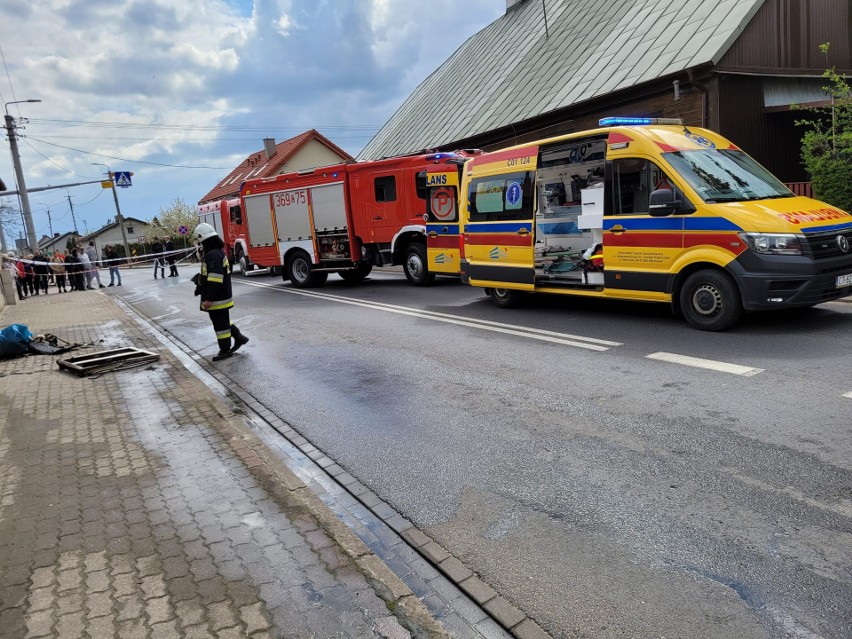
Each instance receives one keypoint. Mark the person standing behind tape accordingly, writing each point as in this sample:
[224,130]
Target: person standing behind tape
[57,265]
[74,269]
[92,253]
[20,276]
[41,270]
[86,270]
[214,286]
[29,275]
[113,260]
[159,261]
[170,258]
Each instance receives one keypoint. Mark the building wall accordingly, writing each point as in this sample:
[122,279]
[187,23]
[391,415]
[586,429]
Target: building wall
[772,138]
[113,235]
[311,155]
[786,34]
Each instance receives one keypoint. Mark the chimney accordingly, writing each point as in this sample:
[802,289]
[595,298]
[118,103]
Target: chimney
[269,146]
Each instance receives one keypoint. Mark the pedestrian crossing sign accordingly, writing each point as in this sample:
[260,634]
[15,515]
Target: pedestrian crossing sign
[122,178]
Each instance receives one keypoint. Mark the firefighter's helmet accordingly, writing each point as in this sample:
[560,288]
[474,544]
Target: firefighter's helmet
[203,232]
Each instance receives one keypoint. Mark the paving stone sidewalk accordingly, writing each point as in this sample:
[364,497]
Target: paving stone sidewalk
[133,505]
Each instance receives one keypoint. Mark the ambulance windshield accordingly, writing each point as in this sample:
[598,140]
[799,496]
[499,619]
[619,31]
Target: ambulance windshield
[726,176]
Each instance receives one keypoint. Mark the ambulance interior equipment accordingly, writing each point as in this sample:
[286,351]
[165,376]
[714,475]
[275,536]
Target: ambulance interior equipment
[569,215]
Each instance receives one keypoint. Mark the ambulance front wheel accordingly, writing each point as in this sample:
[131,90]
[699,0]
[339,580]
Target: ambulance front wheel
[506,297]
[710,300]
[415,265]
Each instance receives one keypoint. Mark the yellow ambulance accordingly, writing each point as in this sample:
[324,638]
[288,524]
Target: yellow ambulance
[647,210]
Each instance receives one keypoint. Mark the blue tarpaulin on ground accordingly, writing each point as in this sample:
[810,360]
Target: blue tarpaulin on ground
[14,340]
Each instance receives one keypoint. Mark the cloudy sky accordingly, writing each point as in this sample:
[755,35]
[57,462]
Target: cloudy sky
[181,92]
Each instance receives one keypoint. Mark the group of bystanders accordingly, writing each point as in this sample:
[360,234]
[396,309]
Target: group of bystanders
[75,270]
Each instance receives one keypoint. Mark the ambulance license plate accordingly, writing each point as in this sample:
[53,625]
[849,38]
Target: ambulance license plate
[844,280]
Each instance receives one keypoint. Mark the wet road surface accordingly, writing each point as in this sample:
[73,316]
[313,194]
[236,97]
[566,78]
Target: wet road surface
[605,492]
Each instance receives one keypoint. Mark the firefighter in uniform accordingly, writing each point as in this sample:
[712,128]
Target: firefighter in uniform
[213,284]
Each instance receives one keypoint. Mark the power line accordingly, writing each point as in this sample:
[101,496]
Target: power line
[183,139]
[113,157]
[52,162]
[203,127]
[100,193]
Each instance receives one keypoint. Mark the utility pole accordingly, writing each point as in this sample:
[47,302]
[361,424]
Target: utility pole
[49,223]
[32,240]
[73,219]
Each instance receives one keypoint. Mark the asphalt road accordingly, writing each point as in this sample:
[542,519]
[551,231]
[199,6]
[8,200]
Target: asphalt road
[567,451]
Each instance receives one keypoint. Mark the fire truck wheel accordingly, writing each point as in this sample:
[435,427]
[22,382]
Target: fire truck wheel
[506,297]
[357,274]
[415,265]
[301,273]
[245,265]
[710,300]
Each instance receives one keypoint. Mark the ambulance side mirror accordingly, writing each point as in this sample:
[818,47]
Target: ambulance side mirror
[663,203]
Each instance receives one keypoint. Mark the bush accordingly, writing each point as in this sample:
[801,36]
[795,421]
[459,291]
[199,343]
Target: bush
[827,146]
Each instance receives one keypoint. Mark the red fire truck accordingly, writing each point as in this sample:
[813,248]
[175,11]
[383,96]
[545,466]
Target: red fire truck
[345,219]
[226,217]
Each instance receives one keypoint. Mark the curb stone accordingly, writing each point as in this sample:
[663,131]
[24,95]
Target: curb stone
[401,601]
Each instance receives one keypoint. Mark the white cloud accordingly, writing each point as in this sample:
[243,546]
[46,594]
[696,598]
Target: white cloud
[204,68]
[284,24]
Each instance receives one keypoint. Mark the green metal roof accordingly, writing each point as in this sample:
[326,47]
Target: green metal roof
[512,70]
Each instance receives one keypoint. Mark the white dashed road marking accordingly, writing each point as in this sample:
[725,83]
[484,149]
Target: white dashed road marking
[565,339]
[709,364]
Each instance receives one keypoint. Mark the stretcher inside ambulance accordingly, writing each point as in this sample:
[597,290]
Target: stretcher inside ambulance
[650,211]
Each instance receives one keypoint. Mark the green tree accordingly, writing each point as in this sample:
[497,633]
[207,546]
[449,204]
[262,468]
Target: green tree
[171,218]
[827,145]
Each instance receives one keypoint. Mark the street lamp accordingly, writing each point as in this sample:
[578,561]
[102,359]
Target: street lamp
[118,217]
[32,240]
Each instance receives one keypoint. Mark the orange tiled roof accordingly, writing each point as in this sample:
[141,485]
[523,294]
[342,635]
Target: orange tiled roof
[258,165]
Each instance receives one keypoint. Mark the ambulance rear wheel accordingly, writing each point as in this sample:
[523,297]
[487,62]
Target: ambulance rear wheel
[710,300]
[415,265]
[301,271]
[506,297]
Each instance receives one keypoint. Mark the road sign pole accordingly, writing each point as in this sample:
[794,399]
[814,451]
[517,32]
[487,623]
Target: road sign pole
[120,219]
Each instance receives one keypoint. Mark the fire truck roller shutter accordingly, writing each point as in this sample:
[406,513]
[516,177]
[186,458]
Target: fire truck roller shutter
[329,207]
[258,217]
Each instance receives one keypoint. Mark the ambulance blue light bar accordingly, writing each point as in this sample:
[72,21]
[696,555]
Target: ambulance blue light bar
[637,121]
